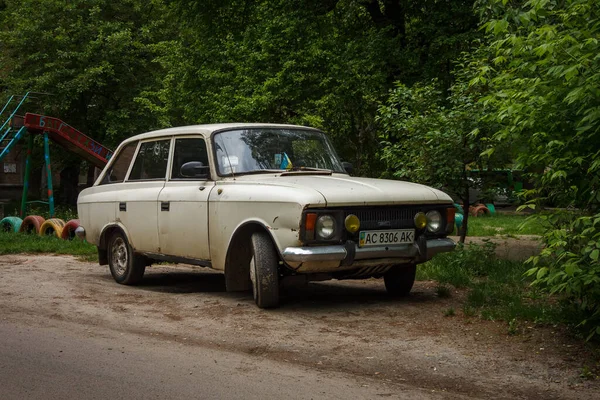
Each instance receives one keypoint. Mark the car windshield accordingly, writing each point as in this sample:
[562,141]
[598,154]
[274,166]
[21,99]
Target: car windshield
[257,150]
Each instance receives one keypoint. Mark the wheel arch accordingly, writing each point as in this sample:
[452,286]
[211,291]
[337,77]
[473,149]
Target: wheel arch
[106,233]
[239,253]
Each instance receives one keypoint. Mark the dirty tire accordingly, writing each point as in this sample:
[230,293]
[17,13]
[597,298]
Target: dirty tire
[10,224]
[52,227]
[32,224]
[400,279]
[126,267]
[264,272]
[68,232]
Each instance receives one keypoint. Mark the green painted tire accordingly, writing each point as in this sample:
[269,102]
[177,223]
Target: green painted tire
[458,220]
[11,224]
[492,209]
[459,208]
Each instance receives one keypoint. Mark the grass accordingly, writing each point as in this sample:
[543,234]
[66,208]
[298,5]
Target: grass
[504,224]
[13,243]
[497,289]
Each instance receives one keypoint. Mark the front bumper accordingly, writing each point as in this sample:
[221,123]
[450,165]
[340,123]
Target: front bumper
[347,254]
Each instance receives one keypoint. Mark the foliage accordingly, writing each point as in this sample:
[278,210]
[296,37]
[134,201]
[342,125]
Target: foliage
[93,59]
[496,287]
[435,140]
[325,64]
[546,75]
[13,243]
[506,224]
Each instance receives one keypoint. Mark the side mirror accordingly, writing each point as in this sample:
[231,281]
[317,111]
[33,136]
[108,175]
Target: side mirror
[348,167]
[194,169]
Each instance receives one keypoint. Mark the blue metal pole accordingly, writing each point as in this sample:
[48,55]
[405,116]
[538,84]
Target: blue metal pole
[27,174]
[48,174]
[15,111]
[12,143]
[7,103]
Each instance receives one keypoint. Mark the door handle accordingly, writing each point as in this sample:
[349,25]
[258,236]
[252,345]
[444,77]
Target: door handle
[164,206]
[122,206]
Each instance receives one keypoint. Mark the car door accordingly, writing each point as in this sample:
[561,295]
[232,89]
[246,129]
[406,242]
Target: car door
[138,195]
[183,215]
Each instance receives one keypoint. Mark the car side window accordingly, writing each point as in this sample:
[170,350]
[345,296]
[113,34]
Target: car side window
[119,167]
[151,161]
[190,159]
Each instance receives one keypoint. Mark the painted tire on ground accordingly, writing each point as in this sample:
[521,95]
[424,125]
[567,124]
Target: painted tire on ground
[459,208]
[68,232]
[492,208]
[11,224]
[458,220]
[32,224]
[480,211]
[52,227]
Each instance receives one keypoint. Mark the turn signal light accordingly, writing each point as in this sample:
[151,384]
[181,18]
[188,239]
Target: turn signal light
[309,225]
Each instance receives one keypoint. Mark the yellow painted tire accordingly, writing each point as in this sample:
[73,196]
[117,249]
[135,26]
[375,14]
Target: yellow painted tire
[52,227]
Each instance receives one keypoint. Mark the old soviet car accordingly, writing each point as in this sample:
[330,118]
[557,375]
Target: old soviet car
[261,202]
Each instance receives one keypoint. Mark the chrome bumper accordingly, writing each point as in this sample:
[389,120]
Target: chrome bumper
[346,254]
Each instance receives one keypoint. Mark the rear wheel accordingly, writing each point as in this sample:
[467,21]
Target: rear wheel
[126,267]
[264,272]
[400,279]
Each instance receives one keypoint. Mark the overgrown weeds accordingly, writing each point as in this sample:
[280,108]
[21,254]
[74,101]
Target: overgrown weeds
[504,224]
[497,289]
[12,243]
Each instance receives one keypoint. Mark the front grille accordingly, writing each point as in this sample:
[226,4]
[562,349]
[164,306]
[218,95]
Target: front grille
[385,218]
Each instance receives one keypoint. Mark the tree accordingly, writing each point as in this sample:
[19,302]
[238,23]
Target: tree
[546,77]
[436,140]
[94,58]
[326,64]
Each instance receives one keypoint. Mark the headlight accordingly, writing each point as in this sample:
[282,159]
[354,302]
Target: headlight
[325,227]
[434,221]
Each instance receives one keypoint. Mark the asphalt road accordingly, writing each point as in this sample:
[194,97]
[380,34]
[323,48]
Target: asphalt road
[66,362]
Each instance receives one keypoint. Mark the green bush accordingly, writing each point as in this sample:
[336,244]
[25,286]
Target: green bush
[569,264]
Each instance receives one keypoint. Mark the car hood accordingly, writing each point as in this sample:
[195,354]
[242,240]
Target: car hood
[343,190]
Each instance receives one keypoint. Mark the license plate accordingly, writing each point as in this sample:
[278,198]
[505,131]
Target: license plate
[392,236]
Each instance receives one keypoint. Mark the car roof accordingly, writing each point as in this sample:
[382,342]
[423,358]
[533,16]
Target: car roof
[208,129]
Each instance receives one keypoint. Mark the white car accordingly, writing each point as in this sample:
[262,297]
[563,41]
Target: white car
[263,203]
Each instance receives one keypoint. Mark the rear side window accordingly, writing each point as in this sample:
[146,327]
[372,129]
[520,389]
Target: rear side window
[151,161]
[189,150]
[119,168]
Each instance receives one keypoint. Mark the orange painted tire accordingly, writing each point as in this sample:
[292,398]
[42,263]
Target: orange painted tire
[480,211]
[32,224]
[52,227]
[68,232]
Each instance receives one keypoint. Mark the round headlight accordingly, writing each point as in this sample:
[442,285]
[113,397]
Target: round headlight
[352,223]
[434,221]
[325,227]
[420,220]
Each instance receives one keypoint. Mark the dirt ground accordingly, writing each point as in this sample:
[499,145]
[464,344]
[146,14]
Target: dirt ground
[348,326]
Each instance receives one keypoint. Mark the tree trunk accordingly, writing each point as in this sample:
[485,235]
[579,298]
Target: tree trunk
[463,231]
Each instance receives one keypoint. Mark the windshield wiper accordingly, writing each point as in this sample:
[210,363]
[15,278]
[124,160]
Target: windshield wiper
[293,169]
[307,171]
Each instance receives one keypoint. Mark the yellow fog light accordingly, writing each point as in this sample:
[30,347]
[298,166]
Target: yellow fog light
[420,220]
[352,223]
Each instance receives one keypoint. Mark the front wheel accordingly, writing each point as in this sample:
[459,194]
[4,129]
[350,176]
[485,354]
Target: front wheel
[126,267]
[400,279]
[264,272]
